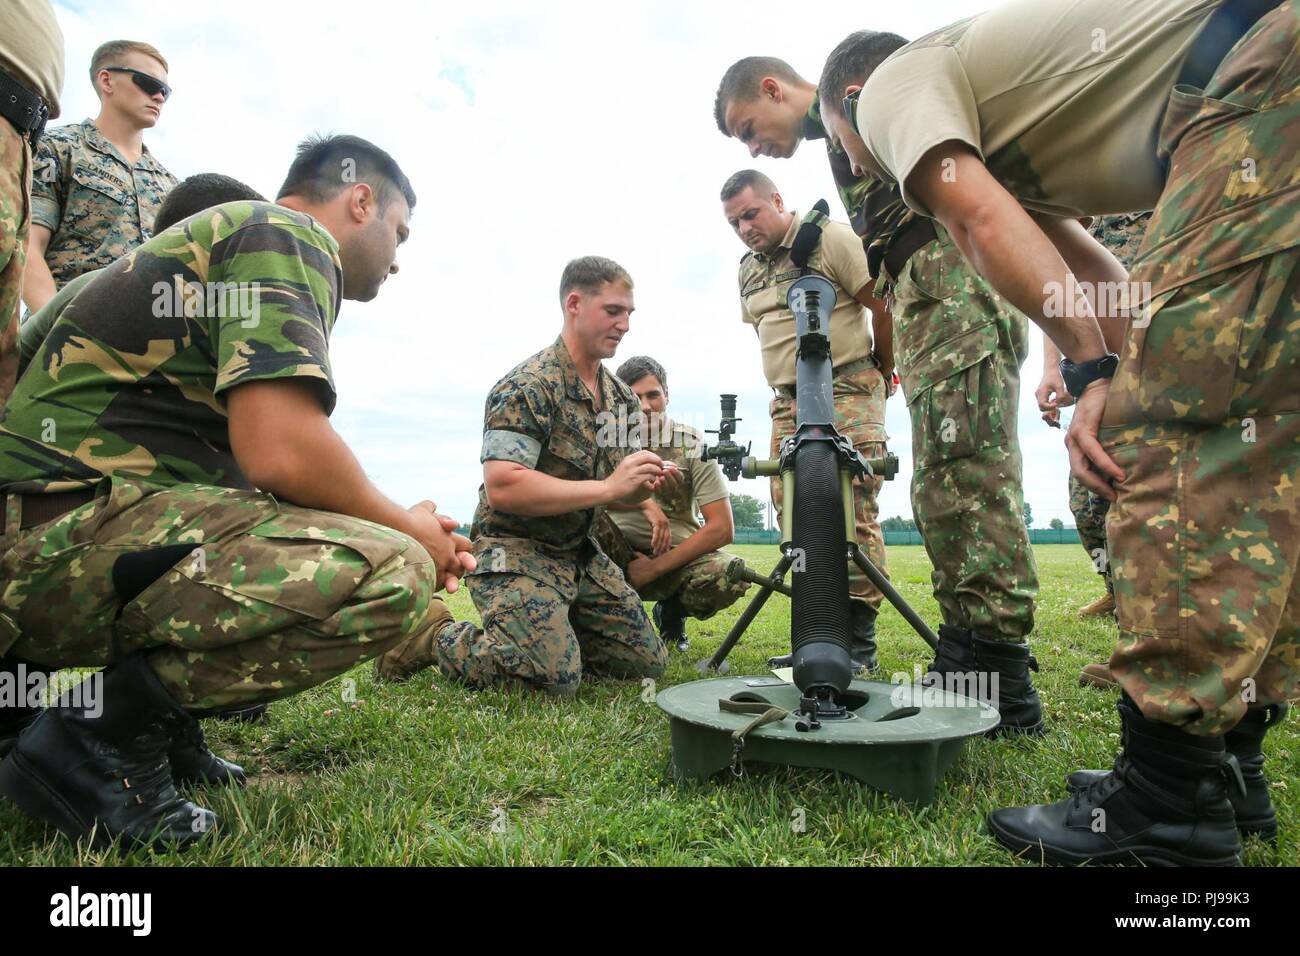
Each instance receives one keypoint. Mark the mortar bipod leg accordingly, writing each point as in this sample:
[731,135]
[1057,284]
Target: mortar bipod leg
[742,624]
[896,599]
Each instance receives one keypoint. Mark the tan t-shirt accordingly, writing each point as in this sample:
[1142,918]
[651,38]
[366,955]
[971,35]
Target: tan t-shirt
[31,48]
[1062,98]
[702,483]
[765,281]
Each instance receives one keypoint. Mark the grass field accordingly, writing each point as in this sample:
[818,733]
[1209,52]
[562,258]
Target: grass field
[427,773]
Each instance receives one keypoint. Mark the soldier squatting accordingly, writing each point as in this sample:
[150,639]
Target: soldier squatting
[180,512]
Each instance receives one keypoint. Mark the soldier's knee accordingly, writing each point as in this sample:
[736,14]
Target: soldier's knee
[562,686]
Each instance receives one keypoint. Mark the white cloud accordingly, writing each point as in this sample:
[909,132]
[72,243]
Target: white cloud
[532,134]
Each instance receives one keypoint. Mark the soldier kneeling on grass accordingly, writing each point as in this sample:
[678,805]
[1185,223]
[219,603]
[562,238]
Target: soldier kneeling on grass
[554,606]
[180,511]
[663,550]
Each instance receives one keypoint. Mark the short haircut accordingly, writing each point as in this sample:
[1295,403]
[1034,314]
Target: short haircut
[108,53]
[737,183]
[589,274]
[326,165]
[638,367]
[199,192]
[855,59]
[740,83]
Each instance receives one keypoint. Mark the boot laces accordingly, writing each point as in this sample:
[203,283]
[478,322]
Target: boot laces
[143,768]
[1103,786]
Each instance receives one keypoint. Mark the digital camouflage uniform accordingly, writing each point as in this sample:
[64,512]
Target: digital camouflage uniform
[97,206]
[959,347]
[1204,411]
[249,598]
[700,585]
[553,605]
[1122,235]
[859,393]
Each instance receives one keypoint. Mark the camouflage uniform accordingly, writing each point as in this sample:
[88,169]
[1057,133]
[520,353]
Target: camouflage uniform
[1122,235]
[97,206]
[36,325]
[236,597]
[31,55]
[15,177]
[959,348]
[1089,512]
[700,585]
[553,605]
[1204,411]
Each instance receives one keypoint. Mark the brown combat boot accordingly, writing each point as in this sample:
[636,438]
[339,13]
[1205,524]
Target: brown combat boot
[1102,607]
[1097,675]
[414,654]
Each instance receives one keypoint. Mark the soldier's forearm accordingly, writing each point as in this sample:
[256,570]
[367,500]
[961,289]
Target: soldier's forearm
[38,284]
[709,538]
[533,494]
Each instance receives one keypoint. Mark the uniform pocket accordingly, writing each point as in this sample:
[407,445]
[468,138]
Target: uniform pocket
[860,405]
[95,203]
[961,415]
[575,457]
[1182,356]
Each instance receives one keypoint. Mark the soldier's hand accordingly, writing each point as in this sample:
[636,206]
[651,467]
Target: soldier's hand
[1051,393]
[639,470]
[640,571]
[1089,462]
[450,551]
[661,535]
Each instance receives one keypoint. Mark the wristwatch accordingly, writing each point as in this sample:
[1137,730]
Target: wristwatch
[1079,376]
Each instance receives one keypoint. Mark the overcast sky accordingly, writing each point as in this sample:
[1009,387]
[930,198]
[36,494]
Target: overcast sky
[532,133]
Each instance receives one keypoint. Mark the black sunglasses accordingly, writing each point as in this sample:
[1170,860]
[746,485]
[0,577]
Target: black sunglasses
[151,86]
[850,109]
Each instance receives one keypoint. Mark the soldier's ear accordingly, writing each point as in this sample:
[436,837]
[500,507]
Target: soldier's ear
[362,202]
[571,302]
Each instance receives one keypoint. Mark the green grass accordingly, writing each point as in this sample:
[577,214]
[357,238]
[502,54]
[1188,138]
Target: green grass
[428,773]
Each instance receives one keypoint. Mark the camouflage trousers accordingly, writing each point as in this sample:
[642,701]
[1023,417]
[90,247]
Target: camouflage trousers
[700,585]
[960,350]
[546,622]
[1090,512]
[247,599]
[1204,411]
[859,397]
[15,218]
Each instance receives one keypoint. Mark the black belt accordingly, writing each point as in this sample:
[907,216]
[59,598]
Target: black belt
[25,109]
[906,241]
[39,509]
[1217,36]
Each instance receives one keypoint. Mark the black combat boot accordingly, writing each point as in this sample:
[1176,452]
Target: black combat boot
[954,655]
[252,714]
[1017,699]
[862,637]
[15,714]
[101,769]
[1253,809]
[1165,803]
[193,764]
[670,621]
